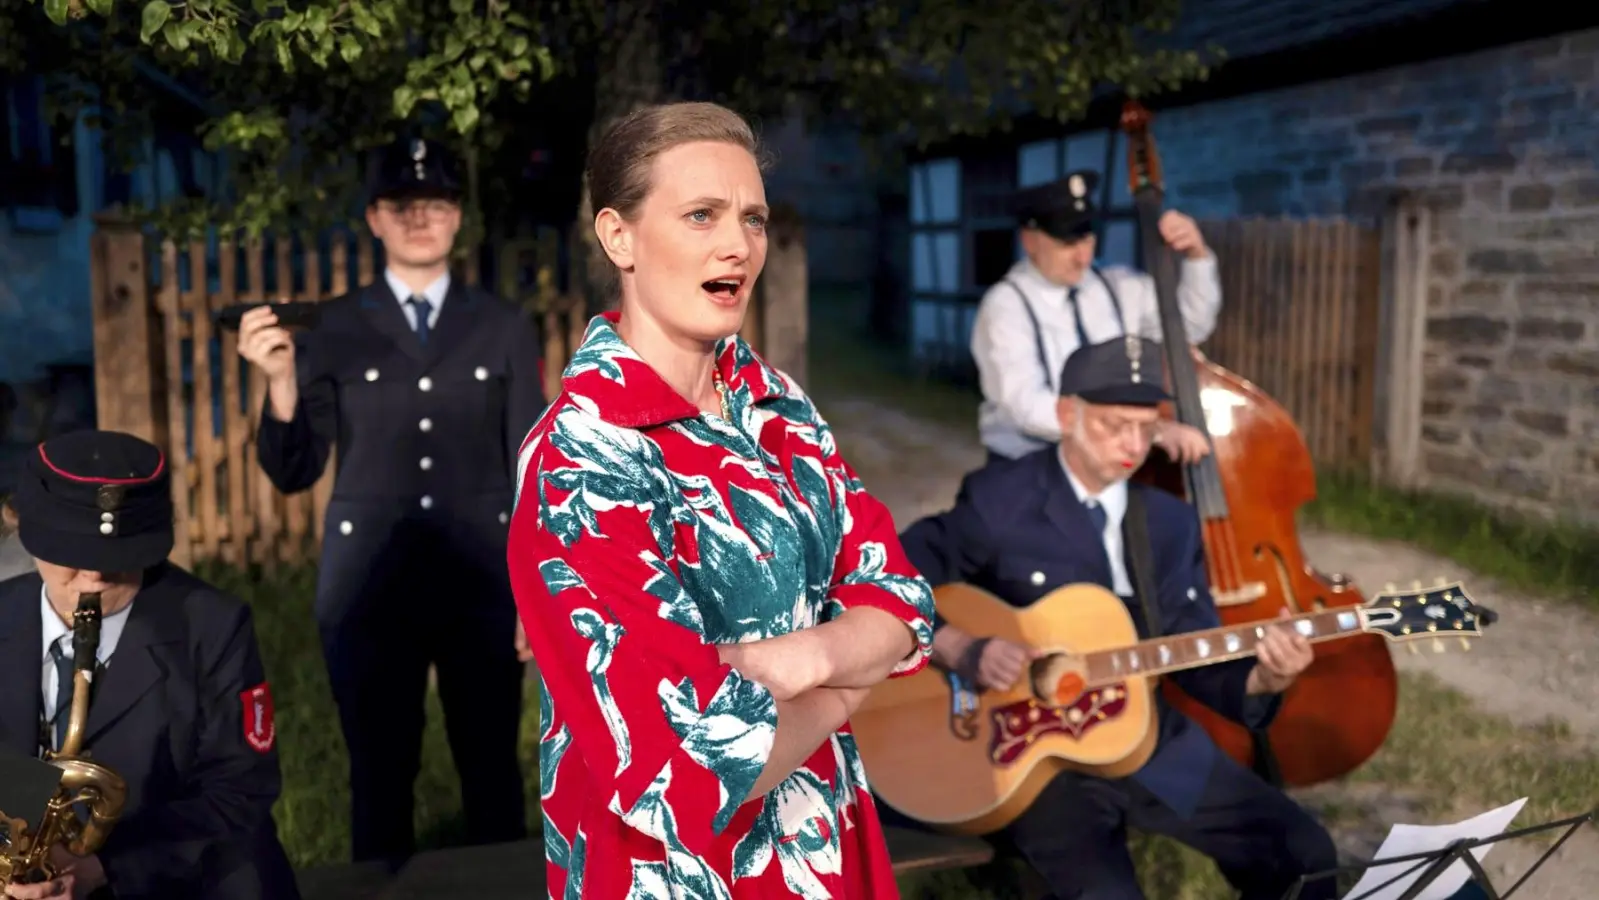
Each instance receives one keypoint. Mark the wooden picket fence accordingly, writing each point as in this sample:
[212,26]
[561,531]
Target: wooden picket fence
[1300,316]
[226,507]
[165,372]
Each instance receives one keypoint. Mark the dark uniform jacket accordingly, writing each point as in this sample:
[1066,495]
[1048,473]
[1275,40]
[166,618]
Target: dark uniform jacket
[426,440]
[169,714]
[1019,531]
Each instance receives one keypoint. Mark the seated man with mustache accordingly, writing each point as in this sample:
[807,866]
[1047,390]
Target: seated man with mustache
[1021,529]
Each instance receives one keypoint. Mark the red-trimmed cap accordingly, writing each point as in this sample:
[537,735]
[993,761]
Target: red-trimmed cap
[99,500]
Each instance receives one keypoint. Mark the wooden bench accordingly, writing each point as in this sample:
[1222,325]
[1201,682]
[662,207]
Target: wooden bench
[517,869]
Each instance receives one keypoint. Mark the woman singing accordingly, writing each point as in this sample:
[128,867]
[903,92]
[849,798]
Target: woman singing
[707,588]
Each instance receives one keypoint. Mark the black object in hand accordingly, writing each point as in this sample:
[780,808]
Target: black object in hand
[293,315]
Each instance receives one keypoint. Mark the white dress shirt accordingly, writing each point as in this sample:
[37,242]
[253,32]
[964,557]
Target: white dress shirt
[1114,501]
[435,294]
[56,630]
[1017,414]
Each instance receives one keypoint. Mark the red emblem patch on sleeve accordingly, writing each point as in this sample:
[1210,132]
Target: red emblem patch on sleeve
[260,731]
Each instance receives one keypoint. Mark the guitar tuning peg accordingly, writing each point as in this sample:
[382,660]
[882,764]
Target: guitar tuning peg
[1441,581]
[1415,585]
[1389,588]
[1437,645]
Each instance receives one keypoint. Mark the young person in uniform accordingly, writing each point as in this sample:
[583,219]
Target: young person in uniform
[1067,514]
[1056,300]
[181,707]
[425,386]
[709,589]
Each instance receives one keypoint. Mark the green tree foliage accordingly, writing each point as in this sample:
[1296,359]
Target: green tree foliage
[295,91]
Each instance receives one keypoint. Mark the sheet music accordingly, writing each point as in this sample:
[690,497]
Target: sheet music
[1405,840]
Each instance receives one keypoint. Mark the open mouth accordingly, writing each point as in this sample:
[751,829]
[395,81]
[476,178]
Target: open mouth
[724,290]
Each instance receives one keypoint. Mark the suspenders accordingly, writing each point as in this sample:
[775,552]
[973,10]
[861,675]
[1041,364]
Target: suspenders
[1077,314]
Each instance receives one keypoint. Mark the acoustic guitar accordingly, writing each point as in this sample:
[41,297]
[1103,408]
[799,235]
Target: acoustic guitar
[969,761]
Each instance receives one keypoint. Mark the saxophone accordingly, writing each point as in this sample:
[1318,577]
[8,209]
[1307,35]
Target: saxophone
[25,852]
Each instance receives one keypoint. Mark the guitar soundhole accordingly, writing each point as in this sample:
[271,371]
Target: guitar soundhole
[1018,725]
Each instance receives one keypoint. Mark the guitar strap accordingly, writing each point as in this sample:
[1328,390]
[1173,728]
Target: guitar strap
[1140,556]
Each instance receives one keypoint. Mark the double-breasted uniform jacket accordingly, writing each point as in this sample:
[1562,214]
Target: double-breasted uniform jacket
[426,438]
[182,713]
[1019,531]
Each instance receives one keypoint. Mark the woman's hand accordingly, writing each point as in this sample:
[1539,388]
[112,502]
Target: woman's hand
[788,665]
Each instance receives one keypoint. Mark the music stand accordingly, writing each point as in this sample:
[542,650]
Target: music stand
[1436,862]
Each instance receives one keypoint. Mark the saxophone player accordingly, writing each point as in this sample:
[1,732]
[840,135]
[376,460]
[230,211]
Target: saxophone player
[180,708]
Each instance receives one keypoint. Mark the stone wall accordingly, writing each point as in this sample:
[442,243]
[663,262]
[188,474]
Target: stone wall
[1503,145]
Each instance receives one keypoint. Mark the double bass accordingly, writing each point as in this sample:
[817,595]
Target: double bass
[1246,493]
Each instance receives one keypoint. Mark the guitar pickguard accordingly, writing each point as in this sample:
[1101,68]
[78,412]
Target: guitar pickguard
[1017,725]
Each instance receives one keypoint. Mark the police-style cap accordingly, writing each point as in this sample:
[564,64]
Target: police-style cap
[1063,209]
[1124,371]
[415,169]
[96,500]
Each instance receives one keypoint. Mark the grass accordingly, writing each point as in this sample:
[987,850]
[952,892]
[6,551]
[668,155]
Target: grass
[313,810]
[1451,757]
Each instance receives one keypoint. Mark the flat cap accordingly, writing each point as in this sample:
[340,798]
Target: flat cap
[96,500]
[1123,371]
[1063,208]
[415,168]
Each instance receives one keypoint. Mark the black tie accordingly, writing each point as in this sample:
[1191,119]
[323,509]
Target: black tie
[63,692]
[423,309]
[1096,514]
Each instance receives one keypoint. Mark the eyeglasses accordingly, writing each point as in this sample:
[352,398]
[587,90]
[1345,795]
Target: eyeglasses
[431,208]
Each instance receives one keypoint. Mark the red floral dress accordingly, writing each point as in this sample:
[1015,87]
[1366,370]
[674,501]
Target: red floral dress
[646,532]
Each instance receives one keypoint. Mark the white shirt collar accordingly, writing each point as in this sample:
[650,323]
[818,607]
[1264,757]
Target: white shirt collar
[110,629]
[1112,498]
[435,292]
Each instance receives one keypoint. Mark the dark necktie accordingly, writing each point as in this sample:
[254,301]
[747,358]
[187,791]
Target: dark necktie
[1096,514]
[423,310]
[63,710]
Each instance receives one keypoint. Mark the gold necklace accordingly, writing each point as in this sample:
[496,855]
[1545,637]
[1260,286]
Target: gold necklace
[721,394]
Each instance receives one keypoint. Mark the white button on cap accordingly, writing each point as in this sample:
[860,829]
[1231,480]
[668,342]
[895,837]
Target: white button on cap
[426,463]
[425,424]
[371,374]
[425,384]
[107,528]
[1038,578]
[107,517]
[345,527]
[427,502]
[481,374]
[504,518]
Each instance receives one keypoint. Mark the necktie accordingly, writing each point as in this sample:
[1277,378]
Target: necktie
[1096,514]
[423,310]
[63,691]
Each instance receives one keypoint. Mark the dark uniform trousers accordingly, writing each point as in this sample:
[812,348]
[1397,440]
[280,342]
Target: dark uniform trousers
[1018,530]
[412,569]
[168,714]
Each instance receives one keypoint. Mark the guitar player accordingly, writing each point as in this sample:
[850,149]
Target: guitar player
[1025,527]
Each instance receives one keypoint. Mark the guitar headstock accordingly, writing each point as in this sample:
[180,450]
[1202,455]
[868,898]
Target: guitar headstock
[1143,163]
[1443,610]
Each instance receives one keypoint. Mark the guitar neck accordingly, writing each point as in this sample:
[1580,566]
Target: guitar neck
[1194,649]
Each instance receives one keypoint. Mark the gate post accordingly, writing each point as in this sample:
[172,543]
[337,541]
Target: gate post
[129,334]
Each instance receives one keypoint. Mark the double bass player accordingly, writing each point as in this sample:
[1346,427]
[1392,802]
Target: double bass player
[1055,300]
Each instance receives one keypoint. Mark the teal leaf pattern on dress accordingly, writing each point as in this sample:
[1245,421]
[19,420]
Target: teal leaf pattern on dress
[690,877]
[604,637]
[732,738]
